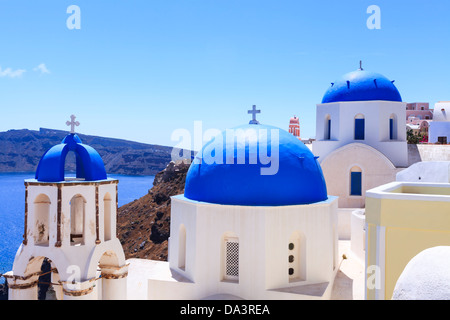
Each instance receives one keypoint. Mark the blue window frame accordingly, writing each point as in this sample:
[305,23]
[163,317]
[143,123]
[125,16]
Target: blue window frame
[359,129]
[355,183]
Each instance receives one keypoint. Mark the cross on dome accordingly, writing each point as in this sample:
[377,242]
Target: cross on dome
[253,112]
[72,123]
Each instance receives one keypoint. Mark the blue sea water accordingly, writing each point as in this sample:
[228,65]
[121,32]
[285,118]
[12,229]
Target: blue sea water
[12,208]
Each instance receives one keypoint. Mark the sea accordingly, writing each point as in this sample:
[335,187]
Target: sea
[12,208]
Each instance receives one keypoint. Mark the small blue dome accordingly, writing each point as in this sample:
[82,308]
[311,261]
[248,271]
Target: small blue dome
[294,175]
[89,164]
[362,85]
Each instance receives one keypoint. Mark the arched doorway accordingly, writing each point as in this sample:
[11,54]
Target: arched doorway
[41,281]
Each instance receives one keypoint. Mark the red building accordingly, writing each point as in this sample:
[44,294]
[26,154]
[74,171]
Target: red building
[294,126]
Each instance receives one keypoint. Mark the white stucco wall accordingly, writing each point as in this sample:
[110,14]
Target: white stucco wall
[375,167]
[426,276]
[427,171]
[264,234]
[73,262]
[438,129]
[441,112]
[376,115]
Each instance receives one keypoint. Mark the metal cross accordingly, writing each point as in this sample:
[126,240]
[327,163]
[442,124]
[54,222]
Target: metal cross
[254,112]
[72,123]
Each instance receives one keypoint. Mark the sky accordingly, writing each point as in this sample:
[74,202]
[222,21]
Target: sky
[142,69]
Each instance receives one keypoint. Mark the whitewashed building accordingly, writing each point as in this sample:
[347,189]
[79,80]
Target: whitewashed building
[239,232]
[439,131]
[360,135]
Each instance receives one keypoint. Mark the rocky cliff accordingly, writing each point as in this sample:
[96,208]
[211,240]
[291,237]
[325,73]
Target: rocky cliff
[143,226]
[21,150]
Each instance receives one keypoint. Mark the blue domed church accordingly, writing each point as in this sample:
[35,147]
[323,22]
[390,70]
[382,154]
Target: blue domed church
[360,135]
[255,222]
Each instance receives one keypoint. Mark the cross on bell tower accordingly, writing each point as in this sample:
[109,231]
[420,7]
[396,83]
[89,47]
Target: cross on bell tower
[72,123]
[253,112]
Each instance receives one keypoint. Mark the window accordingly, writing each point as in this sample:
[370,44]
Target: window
[356,182]
[296,257]
[182,247]
[359,127]
[107,217]
[327,132]
[77,217]
[393,127]
[41,218]
[231,259]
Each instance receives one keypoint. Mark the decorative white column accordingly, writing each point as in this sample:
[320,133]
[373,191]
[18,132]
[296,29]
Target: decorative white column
[58,288]
[114,282]
[22,288]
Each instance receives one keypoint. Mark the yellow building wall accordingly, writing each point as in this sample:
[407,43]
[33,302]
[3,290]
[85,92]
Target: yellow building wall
[404,244]
[411,227]
[371,249]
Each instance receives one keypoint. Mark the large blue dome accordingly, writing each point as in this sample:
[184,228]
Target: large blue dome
[90,166]
[294,175]
[362,85]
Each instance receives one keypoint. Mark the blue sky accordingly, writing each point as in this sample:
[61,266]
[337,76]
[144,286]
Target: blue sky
[139,70]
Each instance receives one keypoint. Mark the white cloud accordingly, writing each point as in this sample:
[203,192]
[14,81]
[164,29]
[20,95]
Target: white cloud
[42,68]
[8,72]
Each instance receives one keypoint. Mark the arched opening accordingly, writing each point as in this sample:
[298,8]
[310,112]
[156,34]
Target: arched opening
[356,181]
[297,257]
[230,257]
[77,219]
[44,285]
[327,128]
[182,247]
[70,166]
[43,280]
[107,212]
[41,220]
[393,127]
[359,127]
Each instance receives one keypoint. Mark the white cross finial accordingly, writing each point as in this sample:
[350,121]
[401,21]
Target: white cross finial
[253,112]
[72,123]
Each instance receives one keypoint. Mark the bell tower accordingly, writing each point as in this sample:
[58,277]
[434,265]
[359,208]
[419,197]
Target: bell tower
[71,222]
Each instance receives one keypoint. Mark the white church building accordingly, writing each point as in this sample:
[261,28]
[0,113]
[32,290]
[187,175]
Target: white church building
[360,135]
[240,233]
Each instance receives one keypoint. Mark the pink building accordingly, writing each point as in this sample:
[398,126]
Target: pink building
[418,118]
[420,110]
